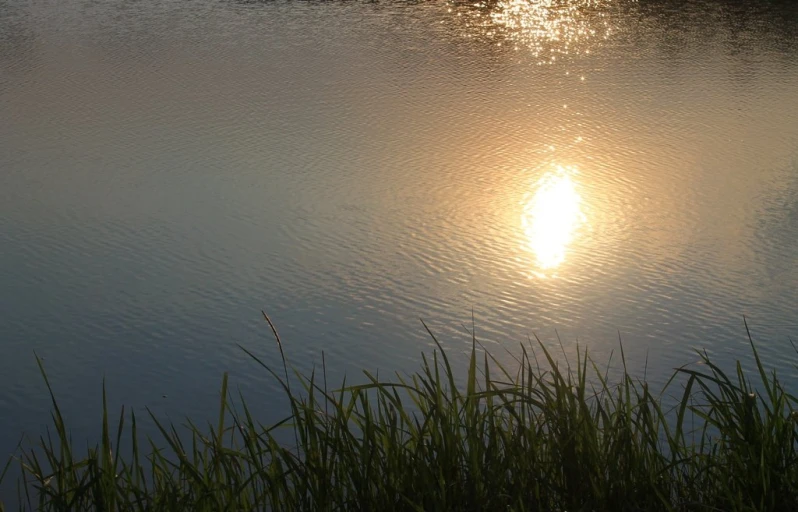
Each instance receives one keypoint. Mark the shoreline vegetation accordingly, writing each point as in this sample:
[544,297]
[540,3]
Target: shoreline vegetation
[534,435]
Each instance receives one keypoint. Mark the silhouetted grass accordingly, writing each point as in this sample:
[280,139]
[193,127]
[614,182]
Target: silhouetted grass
[526,437]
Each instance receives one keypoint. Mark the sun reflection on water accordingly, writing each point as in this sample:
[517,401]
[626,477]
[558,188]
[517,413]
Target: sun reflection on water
[551,217]
[553,30]
[556,25]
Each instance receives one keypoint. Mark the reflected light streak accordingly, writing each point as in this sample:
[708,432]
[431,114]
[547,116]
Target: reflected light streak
[552,217]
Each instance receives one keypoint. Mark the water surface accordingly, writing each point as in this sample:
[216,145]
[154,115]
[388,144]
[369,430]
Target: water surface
[170,168]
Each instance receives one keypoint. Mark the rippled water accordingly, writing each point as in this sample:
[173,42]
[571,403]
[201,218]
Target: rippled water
[170,168]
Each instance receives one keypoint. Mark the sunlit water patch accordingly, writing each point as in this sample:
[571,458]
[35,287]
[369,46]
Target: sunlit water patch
[549,30]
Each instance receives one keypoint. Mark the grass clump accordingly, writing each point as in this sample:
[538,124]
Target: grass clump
[527,437]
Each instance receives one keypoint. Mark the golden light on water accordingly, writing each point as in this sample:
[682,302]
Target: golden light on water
[554,25]
[553,30]
[552,216]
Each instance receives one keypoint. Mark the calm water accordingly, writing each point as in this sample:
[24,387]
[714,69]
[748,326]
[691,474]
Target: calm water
[170,168]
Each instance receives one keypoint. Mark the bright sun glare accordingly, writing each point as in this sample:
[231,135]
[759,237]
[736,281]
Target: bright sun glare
[552,216]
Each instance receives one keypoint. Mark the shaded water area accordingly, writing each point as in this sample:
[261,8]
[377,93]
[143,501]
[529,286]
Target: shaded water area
[170,168]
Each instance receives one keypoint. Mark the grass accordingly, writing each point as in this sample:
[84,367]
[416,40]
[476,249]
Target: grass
[533,436]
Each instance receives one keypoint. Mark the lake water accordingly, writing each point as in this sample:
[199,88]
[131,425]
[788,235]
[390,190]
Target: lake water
[170,168]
